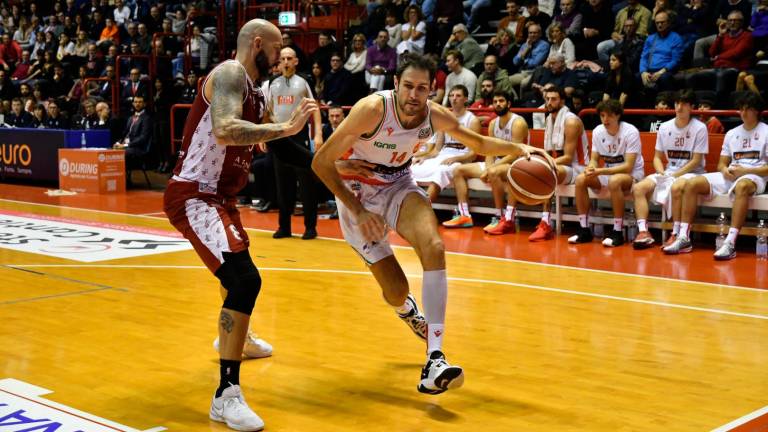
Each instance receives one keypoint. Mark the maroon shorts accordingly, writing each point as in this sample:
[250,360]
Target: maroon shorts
[210,222]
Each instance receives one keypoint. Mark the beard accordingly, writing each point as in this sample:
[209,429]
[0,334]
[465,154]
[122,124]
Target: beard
[262,64]
[486,95]
[501,111]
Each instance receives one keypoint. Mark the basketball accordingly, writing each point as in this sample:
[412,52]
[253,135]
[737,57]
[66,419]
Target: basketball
[533,180]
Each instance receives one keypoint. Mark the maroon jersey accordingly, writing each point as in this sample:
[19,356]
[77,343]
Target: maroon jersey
[215,168]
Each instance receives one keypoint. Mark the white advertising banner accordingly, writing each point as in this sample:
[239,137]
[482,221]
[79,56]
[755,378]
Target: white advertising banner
[83,241]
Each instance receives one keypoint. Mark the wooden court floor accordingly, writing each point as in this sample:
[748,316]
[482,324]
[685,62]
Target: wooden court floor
[545,348]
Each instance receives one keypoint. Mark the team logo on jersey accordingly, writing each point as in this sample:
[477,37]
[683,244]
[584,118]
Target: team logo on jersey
[425,132]
[383,145]
[390,130]
[285,100]
[235,232]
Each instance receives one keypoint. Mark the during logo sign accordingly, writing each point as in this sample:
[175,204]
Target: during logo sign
[64,167]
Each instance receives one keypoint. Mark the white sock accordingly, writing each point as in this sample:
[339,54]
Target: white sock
[684,227]
[404,309]
[732,234]
[675,228]
[617,223]
[464,209]
[434,299]
[584,221]
[510,214]
[642,225]
[545,217]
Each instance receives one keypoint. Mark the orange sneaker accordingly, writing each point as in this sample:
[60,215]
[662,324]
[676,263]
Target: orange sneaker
[494,222]
[504,227]
[644,240]
[543,232]
[671,239]
[459,221]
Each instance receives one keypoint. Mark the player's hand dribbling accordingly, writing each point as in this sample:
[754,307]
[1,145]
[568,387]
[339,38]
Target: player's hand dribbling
[301,114]
[372,226]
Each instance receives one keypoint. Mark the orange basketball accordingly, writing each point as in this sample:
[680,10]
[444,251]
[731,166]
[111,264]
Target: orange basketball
[533,180]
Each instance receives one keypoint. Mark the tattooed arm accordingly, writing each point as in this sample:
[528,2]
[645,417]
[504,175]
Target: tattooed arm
[225,91]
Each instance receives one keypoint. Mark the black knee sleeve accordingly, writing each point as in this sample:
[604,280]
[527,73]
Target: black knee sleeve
[240,277]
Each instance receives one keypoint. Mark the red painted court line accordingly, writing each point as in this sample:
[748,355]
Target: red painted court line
[61,410]
[758,424]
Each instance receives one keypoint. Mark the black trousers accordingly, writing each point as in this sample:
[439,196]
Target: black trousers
[293,160]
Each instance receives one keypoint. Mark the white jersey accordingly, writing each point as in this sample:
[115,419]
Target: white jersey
[581,158]
[679,145]
[452,143]
[612,148]
[391,146]
[504,132]
[285,95]
[747,148]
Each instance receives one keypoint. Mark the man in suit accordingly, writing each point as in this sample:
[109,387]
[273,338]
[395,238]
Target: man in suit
[18,117]
[136,136]
[135,87]
[104,89]
[55,120]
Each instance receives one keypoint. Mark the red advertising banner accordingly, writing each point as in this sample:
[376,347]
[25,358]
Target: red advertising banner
[92,170]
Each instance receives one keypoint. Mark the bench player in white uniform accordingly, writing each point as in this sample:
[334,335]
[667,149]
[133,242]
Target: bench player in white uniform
[617,143]
[684,142]
[508,127]
[566,141]
[742,172]
[377,192]
[434,168]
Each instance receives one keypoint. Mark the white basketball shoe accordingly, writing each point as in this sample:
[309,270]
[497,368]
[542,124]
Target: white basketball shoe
[255,347]
[438,376]
[230,408]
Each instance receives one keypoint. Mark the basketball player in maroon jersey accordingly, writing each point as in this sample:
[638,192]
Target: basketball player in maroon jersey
[221,130]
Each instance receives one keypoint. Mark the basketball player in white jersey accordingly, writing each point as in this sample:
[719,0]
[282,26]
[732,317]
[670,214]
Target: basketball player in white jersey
[742,172]
[375,192]
[566,141]
[618,144]
[434,167]
[506,126]
[221,130]
[684,142]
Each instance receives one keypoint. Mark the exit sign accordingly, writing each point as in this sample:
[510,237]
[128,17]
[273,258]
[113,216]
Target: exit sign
[286,18]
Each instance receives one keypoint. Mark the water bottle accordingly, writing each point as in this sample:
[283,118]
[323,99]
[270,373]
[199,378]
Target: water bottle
[761,249]
[631,225]
[82,141]
[722,230]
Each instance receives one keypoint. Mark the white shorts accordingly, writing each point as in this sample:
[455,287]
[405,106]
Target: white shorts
[663,187]
[433,171]
[604,179]
[718,185]
[571,173]
[384,200]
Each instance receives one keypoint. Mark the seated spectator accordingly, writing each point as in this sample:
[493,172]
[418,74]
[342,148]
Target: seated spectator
[759,25]
[65,50]
[661,55]
[723,8]
[55,119]
[394,30]
[97,26]
[635,11]
[454,60]
[81,46]
[742,173]
[111,57]
[110,35]
[569,19]
[337,80]
[559,44]
[484,101]
[103,89]
[498,76]
[288,42]
[413,32]
[693,21]
[121,13]
[461,41]
[618,144]
[553,73]
[188,90]
[651,123]
[730,53]
[317,82]
[631,44]
[356,60]
[335,117]
[535,15]
[134,87]
[503,47]
[597,22]
[514,22]
[10,53]
[7,89]
[89,119]
[325,48]
[23,36]
[532,54]
[38,117]
[620,83]
[136,137]
[76,91]
[713,123]
[18,117]
[143,39]
[60,82]
[105,116]
[380,62]
[94,62]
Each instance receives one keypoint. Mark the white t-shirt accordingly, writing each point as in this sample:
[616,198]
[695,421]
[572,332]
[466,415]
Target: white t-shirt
[747,148]
[679,145]
[612,148]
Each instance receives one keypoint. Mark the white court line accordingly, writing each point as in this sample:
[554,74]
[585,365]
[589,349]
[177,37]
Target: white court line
[149,214]
[417,276]
[742,420]
[560,266]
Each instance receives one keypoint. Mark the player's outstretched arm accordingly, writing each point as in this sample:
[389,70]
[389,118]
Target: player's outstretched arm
[444,121]
[225,90]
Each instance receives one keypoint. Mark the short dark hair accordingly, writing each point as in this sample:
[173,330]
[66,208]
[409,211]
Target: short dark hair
[410,60]
[750,100]
[502,93]
[556,89]
[461,87]
[686,96]
[457,55]
[611,106]
[335,106]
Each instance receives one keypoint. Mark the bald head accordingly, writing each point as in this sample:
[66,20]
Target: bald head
[258,47]
[257,28]
[288,62]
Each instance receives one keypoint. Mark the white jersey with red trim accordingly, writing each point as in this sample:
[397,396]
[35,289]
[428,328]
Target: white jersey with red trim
[680,144]
[391,146]
[581,158]
[748,148]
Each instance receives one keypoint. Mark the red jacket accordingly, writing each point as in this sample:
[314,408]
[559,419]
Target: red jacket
[10,53]
[732,51]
